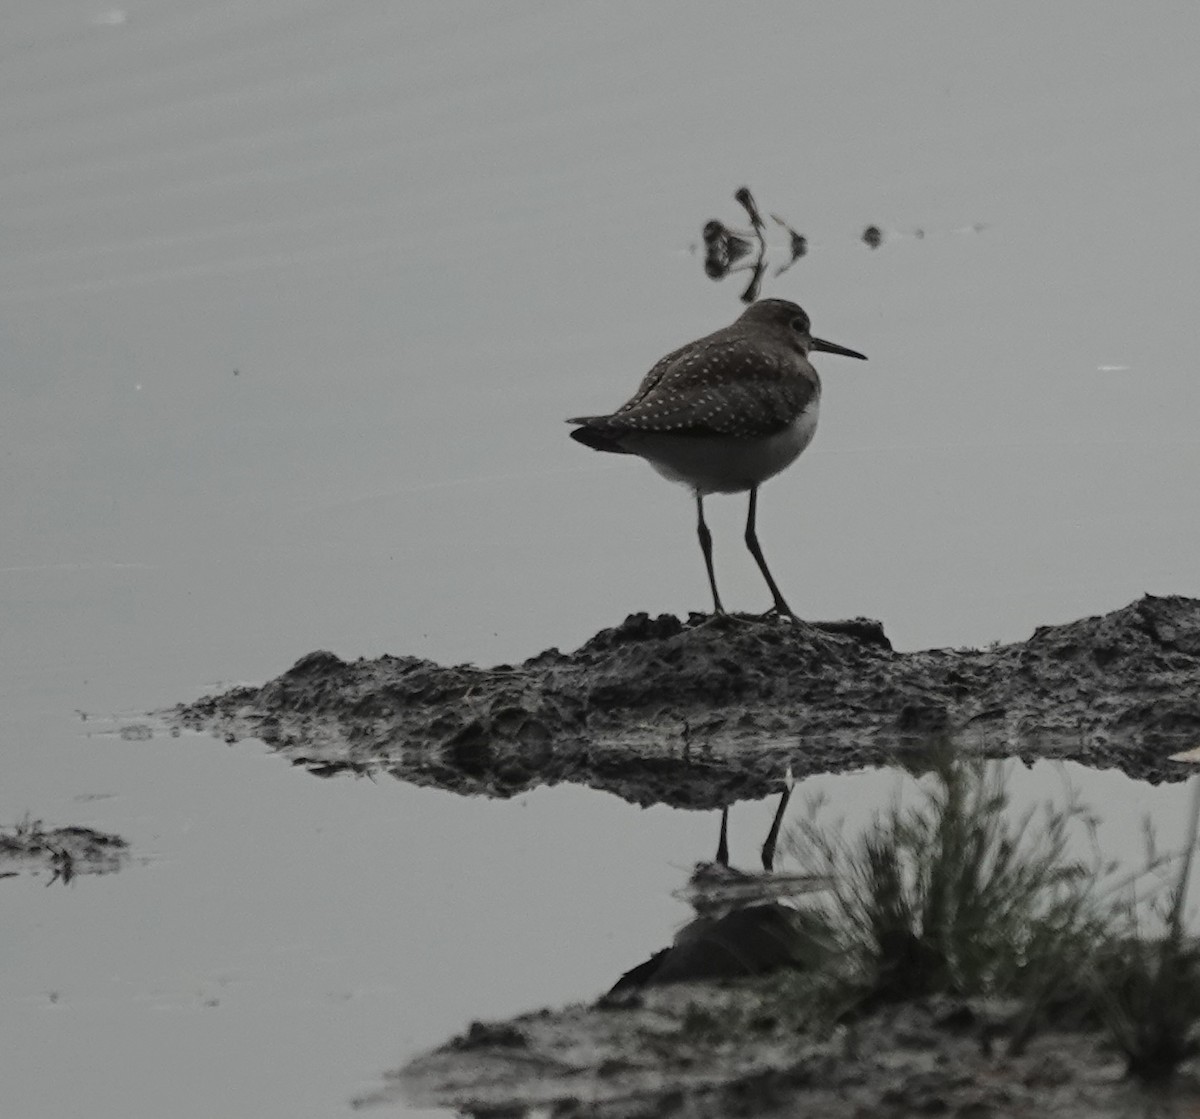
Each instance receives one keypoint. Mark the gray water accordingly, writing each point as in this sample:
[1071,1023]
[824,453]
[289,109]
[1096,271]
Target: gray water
[293,300]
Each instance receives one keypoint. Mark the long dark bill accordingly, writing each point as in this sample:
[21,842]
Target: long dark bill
[833,348]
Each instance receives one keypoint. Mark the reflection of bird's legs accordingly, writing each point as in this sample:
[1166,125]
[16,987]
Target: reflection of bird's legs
[723,842]
[706,548]
[781,607]
[768,848]
[768,851]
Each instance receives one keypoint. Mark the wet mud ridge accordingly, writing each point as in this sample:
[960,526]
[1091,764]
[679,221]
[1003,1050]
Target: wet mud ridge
[700,713]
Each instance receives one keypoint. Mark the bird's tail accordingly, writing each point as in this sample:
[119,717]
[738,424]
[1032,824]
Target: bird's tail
[597,440]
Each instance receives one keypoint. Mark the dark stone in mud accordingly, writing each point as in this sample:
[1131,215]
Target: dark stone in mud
[700,713]
[748,940]
[481,1035]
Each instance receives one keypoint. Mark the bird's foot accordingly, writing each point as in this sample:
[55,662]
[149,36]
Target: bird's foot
[722,620]
[781,612]
[718,618]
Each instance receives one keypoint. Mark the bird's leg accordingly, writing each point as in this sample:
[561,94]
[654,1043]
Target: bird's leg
[781,607]
[706,548]
[768,850]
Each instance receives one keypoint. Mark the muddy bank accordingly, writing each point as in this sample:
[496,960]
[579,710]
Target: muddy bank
[32,848]
[701,713]
[741,1048]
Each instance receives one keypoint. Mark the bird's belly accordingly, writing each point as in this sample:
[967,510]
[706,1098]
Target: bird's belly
[725,463]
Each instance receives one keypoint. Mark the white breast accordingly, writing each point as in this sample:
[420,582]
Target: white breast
[725,464]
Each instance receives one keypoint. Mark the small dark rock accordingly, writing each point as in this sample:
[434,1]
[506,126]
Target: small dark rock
[481,1035]
[320,663]
[866,631]
[922,718]
[635,628]
[955,1017]
[471,749]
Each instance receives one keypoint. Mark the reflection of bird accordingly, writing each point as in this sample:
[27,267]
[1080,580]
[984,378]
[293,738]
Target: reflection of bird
[723,414]
[724,247]
[741,927]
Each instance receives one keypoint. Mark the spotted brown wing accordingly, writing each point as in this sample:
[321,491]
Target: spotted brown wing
[745,408]
[720,385]
[660,370]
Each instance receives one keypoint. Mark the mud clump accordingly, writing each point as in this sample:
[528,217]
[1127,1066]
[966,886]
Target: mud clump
[741,1049]
[699,713]
[30,847]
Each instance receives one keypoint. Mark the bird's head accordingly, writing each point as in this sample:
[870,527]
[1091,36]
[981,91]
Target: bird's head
[792,321]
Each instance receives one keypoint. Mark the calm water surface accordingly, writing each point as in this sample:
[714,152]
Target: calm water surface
[293,301]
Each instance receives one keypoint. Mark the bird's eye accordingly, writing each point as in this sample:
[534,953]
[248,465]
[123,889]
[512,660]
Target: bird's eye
[800,324]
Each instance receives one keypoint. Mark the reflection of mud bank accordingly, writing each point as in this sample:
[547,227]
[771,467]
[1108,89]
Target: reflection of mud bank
[656,710]
[32,848]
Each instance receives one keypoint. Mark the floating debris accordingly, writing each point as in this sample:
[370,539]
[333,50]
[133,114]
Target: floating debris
[32,848]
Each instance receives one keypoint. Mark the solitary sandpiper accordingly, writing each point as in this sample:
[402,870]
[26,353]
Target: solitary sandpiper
[723,414]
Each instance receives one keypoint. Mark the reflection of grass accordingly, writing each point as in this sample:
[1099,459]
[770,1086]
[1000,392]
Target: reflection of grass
[1149,989]
[25,836]
[957,894]
[28,837]
[1149,996]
